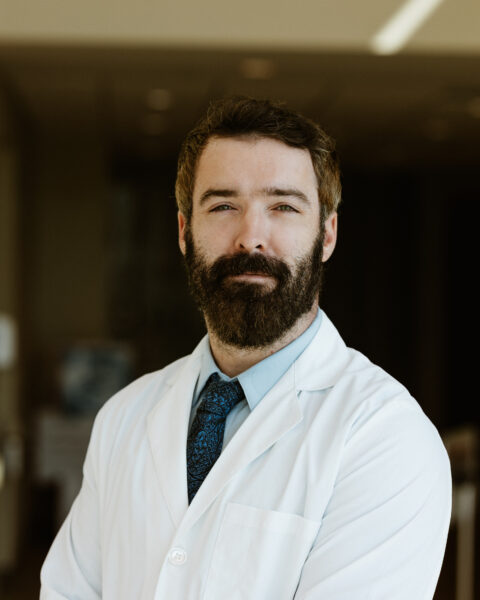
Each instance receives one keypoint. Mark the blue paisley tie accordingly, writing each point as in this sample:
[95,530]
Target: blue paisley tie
[205,439]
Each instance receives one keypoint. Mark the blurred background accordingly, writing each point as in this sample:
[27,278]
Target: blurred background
[95,98]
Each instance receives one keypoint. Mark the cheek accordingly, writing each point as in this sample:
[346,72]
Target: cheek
[294,242]
[210,247]
[213,241]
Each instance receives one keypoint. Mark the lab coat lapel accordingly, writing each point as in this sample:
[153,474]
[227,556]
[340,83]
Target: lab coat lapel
[277,413]
[319,367]
[324,361]
[167,434]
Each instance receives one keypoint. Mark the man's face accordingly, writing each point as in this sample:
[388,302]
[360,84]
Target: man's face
[254,246]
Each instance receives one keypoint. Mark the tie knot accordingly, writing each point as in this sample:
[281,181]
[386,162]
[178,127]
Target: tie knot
[221,396]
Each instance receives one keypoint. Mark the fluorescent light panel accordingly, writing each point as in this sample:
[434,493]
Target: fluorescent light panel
[402,25]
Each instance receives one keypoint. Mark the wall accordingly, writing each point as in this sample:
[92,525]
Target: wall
[65,253]
[10,424]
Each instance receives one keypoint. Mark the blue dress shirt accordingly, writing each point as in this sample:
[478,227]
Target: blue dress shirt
[255,381]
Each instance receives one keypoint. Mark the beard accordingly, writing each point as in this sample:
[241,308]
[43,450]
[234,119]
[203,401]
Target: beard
[245,314]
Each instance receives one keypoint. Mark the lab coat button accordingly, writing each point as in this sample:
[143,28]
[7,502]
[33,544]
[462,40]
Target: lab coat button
[177,556]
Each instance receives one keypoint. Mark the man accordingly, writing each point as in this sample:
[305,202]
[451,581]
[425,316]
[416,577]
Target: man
[273,462]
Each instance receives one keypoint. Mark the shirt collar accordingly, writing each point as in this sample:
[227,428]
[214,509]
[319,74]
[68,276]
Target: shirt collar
[261,377]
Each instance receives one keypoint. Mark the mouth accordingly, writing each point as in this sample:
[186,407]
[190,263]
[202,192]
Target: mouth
[252,277]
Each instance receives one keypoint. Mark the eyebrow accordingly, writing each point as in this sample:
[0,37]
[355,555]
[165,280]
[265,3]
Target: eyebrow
[269,191]
[218,193]
[287,192]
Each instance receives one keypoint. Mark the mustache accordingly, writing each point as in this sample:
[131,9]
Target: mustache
[241,263]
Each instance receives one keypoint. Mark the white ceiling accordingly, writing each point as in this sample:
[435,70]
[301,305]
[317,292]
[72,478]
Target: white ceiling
[339,25]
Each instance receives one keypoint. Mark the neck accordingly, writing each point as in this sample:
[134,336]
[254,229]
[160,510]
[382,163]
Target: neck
[232,360]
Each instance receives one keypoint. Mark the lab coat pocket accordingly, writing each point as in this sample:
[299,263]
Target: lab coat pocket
[259,554]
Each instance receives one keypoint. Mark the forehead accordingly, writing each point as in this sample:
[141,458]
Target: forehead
[246,162]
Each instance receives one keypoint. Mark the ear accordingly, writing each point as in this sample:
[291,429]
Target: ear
[330,238]
[182,223]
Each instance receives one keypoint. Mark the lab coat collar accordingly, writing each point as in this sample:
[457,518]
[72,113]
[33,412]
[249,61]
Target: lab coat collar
[322,363]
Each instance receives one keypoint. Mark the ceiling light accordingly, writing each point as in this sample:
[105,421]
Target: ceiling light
[159,99]
[402,25]
[257,68]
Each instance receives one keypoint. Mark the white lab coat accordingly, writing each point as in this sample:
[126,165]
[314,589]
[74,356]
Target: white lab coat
[336,487]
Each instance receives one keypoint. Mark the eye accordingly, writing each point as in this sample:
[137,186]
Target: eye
[221,208]
[285,208]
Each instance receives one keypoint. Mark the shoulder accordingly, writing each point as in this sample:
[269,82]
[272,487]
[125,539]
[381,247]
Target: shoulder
[388,435]
[141,393]
[354,383]
[367,408]
[376,395]
[370,388]
[382,409]
[130,407]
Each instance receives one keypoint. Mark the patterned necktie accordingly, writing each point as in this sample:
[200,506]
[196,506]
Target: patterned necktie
[205,439]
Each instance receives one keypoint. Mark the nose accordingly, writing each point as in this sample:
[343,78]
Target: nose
[251,234]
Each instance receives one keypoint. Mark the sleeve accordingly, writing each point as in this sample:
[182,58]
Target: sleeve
[384,531]
[72,568]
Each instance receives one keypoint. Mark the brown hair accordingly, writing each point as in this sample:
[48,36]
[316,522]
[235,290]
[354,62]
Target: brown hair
[245,117]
